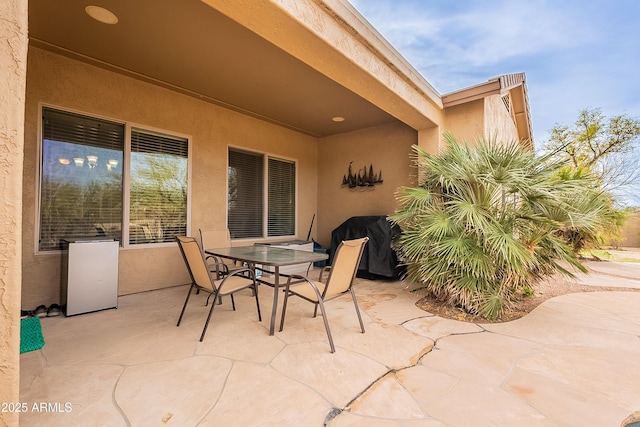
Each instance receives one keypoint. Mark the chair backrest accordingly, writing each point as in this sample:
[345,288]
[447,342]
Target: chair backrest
[345,266]
[215,238]
[195,262]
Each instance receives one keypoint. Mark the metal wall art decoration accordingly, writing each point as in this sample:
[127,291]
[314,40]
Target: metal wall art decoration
[363,178]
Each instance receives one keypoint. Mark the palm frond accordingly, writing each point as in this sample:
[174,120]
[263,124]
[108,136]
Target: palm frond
[490,218]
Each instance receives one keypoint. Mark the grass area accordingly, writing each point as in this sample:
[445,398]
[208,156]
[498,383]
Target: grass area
[619,255]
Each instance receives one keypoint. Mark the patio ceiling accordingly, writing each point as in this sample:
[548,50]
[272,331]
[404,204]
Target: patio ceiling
[192,48]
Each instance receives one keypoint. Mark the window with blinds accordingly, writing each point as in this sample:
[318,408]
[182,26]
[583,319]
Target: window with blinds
[245,194]
[252,176]
[82,188]
[282,198]
[158,187]
[81,178]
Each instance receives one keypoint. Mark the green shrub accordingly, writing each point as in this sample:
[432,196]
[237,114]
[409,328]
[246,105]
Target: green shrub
[485,223]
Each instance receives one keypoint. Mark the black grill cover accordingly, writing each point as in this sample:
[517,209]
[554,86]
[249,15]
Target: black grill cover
[378,259]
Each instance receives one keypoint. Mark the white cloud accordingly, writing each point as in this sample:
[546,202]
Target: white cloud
[576,54]
[573,52]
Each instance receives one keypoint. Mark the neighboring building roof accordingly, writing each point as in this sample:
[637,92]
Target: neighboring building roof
[513,85]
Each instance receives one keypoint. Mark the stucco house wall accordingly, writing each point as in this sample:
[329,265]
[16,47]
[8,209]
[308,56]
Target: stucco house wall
[68,84]
[13,66]
[387,148]
[487,118]
[631,232]
[465,121]
[498,120]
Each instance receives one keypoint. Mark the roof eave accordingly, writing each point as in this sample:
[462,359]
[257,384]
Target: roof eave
[513,84]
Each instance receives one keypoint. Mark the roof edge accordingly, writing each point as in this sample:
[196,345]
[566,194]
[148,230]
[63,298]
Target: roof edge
[501,84]
[376,43]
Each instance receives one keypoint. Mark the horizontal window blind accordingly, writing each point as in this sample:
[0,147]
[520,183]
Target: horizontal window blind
[245,194]
[78,129]
[158,187]
[144,141]
[81,181]
[281,197]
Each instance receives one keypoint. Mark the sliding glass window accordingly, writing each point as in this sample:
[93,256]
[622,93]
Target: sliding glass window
[158,188]
[81,178]
[261,195]
[82,186]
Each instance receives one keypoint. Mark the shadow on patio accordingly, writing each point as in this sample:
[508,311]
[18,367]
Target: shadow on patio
[574,361]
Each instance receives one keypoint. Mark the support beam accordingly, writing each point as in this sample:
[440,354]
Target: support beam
[13,75]
[333,38]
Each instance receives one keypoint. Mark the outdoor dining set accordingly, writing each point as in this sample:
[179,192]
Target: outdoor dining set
[217,268]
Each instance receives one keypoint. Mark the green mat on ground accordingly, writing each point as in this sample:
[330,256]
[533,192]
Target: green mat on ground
[30,334]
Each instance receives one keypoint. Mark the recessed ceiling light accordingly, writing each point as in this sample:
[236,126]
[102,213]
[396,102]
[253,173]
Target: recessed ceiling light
[338,119]
[101,14]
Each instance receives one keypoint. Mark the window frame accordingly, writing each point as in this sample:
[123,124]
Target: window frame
[126,176]
[265,194]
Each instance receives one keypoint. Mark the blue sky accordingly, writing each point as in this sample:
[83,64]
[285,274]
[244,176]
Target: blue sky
[575,53]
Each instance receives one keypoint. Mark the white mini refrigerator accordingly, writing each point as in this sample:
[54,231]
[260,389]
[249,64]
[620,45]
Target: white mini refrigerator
[90,276]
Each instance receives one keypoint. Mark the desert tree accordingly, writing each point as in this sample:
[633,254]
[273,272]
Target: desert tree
[609,148]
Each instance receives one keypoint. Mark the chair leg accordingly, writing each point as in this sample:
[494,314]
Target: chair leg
[185,305]
[326,325]
[355,302]
[206,324]
[255,293]
[315,310]
[233,303]
[219,299]
[284,309]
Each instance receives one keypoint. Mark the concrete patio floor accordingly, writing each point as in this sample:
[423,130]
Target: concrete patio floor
[573,361]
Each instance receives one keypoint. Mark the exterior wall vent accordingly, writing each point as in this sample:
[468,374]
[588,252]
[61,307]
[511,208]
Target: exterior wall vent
[506,100]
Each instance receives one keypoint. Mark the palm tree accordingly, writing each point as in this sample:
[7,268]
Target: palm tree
[486,223]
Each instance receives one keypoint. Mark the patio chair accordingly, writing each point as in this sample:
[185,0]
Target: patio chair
[218,239]
[339,282]
[220,266]
[202,279]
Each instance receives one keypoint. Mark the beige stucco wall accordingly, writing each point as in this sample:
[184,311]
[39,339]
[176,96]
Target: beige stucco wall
[387,148]
[13,66]
[484,118]
[631,232]
[498,121]
[69,84]
[465,121]
[430,140]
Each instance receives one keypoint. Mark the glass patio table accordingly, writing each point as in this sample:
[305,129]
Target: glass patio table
[268,256]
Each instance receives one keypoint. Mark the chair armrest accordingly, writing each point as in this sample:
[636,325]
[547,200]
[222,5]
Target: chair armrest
[327,268]
[221,268]
[300,279]
[240,272]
